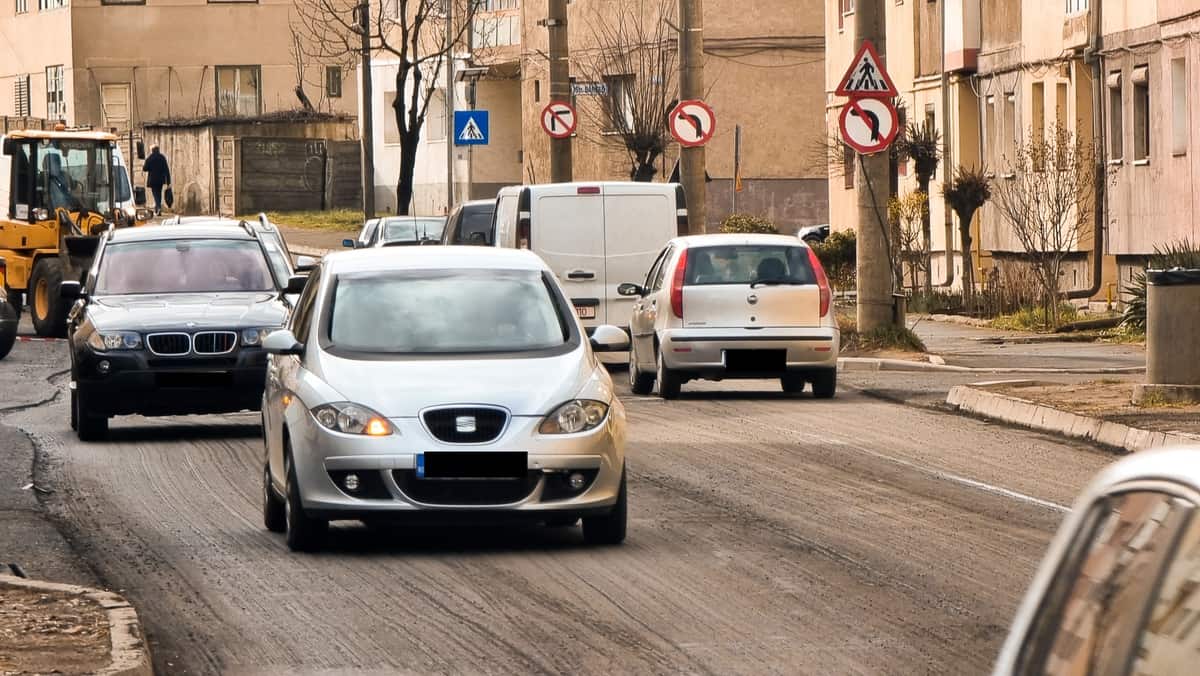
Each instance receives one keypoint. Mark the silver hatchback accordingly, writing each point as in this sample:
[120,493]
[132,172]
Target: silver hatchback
[451,383]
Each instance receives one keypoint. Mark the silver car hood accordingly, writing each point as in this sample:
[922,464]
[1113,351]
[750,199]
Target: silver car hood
[401,388]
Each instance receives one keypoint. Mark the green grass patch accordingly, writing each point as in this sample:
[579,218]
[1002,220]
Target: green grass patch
[1157,400]
[885,338]
[1124,334]
[338,220]
[1035,319]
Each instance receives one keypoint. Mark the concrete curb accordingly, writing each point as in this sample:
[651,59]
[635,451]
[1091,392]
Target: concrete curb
[874,364]
[129,652]
[1030,414]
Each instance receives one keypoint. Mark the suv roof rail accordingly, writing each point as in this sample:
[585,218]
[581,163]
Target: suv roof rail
[263,220]
[248,228]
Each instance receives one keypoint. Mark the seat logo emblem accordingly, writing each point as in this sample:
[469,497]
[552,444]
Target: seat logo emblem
[464,424]
[752,299]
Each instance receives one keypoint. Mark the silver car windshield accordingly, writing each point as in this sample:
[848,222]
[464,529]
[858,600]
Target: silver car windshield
[445,312]
[183,266]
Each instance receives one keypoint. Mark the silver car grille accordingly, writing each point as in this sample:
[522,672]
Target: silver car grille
[169,344]
[466,424]
[214,342]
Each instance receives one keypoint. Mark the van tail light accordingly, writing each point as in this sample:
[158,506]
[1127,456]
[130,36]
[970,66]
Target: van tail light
[677,285]
[588,190]
[822,281]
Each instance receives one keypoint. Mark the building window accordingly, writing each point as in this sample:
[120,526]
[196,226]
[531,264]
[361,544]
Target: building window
[1076,6]
[1012,130]
[1141,113]
[619,103]
[1116,122]
[238,91]
[496,5]
[333,82]
[56,102]
[22,6]
[1060,104]
[435,116]
[21,104]
[847,167]
[51,4]
[845,7]
[537,90]
[1179,107]
[115,105]
[391,132]
[990,142]
[122,2]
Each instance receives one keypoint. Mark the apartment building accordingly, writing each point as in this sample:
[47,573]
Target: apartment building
[120,63]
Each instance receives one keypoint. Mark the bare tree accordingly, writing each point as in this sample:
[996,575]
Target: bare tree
[300,62]
[635,54]
[412,31]
[1046,199]
[907,214]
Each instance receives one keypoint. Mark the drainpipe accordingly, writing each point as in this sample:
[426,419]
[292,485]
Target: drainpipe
[1092,56]
[947,168]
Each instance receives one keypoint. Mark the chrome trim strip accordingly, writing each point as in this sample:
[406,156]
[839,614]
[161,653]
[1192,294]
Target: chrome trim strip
[150,346]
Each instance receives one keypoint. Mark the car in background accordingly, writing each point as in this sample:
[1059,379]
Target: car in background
[8,323]
[170,321]
[733,306]
[814,234]
[1118,591]
[470,223]
[366,236]
[452,383]
[409,230]
[283,267]
[592,235]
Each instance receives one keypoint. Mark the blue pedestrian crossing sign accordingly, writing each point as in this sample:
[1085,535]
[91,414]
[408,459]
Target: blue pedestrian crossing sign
[470,127]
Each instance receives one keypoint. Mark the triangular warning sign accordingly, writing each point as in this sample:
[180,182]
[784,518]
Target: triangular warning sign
[867,76]
[471,131]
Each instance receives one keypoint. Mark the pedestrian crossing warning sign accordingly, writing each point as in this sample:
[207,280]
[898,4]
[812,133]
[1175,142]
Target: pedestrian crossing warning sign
[866,76]
[470,127]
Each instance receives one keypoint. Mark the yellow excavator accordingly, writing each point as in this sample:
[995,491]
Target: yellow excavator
[59,190]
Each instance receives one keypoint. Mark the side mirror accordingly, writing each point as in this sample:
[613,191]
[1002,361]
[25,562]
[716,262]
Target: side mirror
[282,342]
[609,338]
[139,196]
[8,146]
[628,289]
[295,284]
[70,290]
[350,243]
[141,150]
[305,263]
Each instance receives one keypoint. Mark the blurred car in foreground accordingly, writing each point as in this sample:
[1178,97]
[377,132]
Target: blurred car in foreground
[451,382]
[733,306]
[8,324]
[1118,592]
[814,234]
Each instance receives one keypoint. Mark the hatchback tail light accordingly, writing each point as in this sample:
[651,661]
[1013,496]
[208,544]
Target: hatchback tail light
[822,281]
[677,284]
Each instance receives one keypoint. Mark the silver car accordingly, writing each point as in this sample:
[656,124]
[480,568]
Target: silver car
[451,383]
[1119,590]
[733,306]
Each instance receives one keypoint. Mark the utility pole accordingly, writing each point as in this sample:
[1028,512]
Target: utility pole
[691,86]
[368,105]
[560,86]
[874,260]
[449,105]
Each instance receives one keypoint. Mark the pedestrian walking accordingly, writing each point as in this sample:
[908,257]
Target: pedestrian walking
[158,176]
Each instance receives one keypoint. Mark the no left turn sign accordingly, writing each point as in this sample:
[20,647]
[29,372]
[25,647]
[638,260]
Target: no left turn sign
[559,119]
[692,123]
[868,125]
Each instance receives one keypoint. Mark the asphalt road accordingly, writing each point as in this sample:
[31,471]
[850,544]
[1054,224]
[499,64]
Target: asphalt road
[767,535]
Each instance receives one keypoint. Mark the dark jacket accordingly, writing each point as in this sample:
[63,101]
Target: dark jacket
[158,173]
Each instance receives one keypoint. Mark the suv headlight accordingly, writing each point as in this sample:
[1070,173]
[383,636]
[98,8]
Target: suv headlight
[579,415]
[252,337]
[349,418]
[105,341]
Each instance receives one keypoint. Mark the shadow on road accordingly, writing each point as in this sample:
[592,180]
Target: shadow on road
[354,539]
[144,433]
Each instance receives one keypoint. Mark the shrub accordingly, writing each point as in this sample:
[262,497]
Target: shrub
[745,223]
[1181,254]
[1035,318]
[838,255]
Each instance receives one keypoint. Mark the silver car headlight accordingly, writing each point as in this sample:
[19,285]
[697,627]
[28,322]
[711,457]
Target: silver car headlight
[348,418]
[106,341]
[252,337]
[579,415]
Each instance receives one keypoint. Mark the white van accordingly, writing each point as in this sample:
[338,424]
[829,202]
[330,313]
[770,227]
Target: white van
[594,236]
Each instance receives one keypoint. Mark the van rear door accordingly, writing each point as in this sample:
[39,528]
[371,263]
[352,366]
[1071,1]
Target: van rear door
[567,231]
[750,285]
[638,223]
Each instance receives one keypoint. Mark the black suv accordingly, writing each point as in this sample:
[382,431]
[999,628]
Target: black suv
[170,321]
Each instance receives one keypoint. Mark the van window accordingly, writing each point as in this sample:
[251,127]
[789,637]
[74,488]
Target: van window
[1092,611]
[746,264]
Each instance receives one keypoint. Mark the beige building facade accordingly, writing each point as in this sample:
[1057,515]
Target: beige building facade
[121,63]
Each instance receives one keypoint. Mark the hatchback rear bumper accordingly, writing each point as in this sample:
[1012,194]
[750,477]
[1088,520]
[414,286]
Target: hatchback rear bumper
[704,352]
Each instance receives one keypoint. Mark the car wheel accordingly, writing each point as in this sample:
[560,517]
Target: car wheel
[274,517]
[88,426]
[46,307]
[304,534]
[640,383]
[610,528]
[792,384]
[7,336]
[14,301]
[669,381]
[824,383]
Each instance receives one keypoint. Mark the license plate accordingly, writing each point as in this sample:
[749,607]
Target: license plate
[472,465]
[585,311]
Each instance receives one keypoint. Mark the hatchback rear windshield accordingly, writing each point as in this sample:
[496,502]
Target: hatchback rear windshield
[746,264]
[445,312]
[183,266]
[475,226]
[412,230]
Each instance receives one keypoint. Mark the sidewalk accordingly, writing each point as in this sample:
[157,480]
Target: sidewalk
[308,242]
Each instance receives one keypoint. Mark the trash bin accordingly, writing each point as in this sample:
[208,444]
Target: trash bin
[1173,327]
